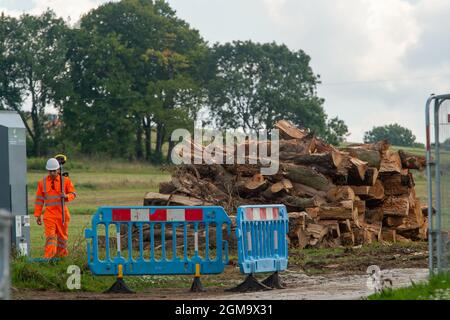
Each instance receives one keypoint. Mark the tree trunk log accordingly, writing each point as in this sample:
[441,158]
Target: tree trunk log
[339,193]
[290,149]
[397,184]
[158,199]
[380,146]
[366,192]
[308,176]
[340,211]
[284,184]
[288,131]
[358,169]
[374,215]
[372,157]
[301,190]
[370,178]
[330,160]
[300,203]
[391,162]
[396,206]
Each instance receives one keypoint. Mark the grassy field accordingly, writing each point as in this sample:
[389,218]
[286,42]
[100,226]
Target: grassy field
[107,183]
[421,182]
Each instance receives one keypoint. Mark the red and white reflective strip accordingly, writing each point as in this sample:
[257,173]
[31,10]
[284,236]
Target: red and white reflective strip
[143,215]
[261,214]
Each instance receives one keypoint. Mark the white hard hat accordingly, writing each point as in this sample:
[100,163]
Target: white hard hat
[52,164]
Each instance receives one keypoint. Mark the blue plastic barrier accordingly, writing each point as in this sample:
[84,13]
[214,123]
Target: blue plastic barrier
[262,244]
[102,262]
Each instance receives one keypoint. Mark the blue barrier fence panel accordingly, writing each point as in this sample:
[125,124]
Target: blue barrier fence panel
[153,254]
[262,238]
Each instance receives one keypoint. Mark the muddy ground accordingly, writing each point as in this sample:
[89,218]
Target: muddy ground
[312,274]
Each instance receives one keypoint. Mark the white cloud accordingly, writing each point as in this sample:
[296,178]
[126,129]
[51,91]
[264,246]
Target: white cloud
[391,29]
[64,8]
[355,42]
[359,39]
[9,12]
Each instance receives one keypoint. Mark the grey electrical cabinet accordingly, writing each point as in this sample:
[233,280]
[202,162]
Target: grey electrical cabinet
[13,178]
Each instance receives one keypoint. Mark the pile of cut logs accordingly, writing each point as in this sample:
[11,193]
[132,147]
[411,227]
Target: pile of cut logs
[334,196]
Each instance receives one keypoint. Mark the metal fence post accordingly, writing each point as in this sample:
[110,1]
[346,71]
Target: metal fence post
[438,184]
[5,249]
[429,185]
[437,257]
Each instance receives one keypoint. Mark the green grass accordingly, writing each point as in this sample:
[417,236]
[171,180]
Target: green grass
[437,288]
[415,151]
[96,165]
[53,275]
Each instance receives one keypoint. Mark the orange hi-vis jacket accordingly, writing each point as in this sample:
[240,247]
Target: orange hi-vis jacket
[49,194]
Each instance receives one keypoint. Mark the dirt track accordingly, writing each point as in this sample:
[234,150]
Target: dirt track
[330,287]
[299,286]
[335,274]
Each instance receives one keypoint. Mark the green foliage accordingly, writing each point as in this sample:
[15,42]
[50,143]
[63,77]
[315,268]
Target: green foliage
[336,131]
[419,145]
[11,95]
[32,62]
[396,134]
[134,64]
[132,71]
[446,144]
[38,164]
[253,85]
[96,164]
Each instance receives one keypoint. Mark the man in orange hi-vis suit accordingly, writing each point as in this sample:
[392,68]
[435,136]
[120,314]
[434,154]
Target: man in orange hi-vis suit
[49,194]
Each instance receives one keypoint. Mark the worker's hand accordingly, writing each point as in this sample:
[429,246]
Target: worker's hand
[39,220]
[63,196]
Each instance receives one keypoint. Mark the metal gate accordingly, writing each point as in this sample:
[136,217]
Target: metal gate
[438,181]
[5,235]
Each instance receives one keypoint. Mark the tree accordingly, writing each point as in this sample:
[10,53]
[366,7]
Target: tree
[253,85]
[33,63]
[96,113]
[336,131]
[10,93]
[446,144]
[138,58]
[396,134]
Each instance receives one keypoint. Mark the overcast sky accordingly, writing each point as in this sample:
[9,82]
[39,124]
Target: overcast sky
[378,59]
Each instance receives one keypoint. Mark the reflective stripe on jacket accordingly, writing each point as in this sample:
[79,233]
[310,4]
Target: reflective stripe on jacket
[48,195]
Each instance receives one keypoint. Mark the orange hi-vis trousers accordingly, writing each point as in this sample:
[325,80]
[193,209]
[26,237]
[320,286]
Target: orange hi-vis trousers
[48,194]
[56,237]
